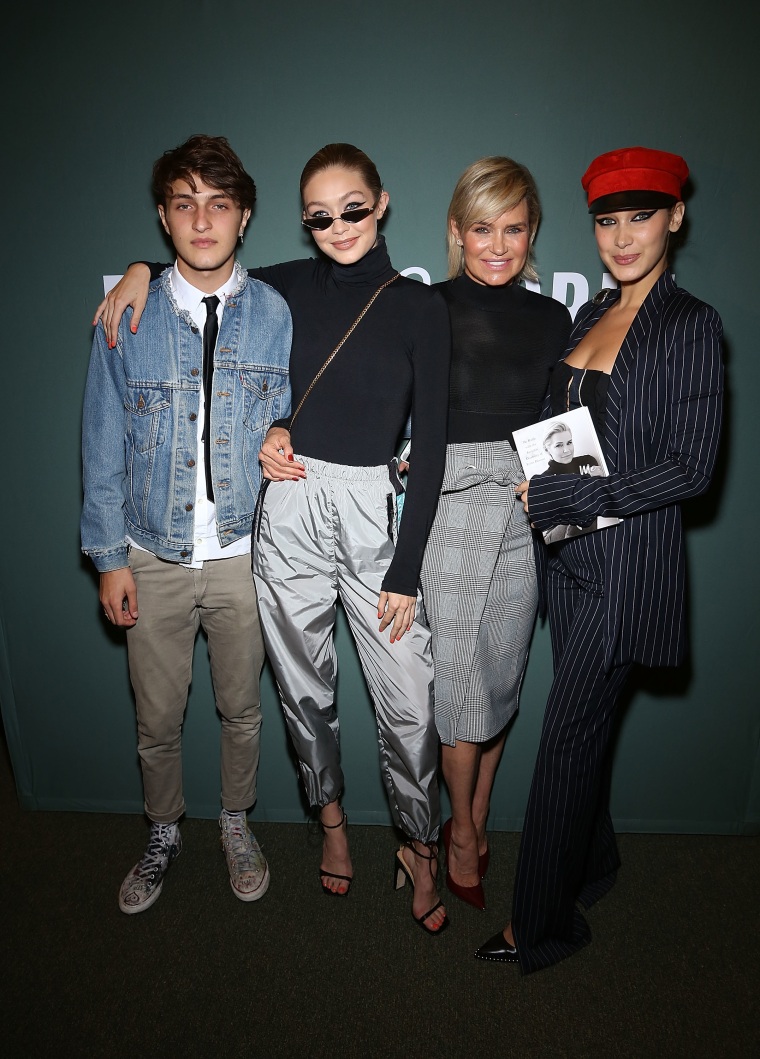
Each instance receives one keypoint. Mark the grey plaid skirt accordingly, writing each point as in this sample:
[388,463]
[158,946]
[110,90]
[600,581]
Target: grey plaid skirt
[479,591]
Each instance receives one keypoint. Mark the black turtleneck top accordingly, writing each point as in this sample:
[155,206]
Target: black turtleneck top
[505,341]
[395,362]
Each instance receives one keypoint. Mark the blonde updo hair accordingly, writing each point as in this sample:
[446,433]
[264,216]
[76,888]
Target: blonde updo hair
[486,189]
[558,428]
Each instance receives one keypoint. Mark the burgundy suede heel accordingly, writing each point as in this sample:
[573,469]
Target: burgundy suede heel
[471,895]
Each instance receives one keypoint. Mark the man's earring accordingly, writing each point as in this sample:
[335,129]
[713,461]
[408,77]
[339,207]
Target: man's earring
[240,234]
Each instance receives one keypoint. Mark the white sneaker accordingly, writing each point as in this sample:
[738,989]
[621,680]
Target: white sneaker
[142,887]
[249,872]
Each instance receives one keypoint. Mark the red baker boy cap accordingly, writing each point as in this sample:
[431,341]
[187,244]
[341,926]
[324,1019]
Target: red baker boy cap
[634,178]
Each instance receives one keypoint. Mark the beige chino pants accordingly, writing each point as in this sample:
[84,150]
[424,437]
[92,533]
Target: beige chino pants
[174,602]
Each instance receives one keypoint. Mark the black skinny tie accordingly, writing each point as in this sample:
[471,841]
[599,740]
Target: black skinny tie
[210,331]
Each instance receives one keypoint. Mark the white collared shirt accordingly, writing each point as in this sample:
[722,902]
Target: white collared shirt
[205,539]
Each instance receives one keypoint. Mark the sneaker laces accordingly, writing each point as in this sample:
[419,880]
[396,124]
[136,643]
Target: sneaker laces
[156,857]
[238,840]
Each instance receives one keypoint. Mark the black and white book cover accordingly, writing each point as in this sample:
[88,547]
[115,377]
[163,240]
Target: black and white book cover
[565,444]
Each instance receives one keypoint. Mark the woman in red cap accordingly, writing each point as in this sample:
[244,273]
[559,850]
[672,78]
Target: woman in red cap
[646,360]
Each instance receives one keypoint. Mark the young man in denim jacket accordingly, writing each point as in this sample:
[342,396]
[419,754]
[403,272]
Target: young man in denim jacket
[170,534]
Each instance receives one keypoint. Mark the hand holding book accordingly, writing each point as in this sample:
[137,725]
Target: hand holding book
[548,447]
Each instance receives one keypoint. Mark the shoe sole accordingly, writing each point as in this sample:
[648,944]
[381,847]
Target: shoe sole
[254,895]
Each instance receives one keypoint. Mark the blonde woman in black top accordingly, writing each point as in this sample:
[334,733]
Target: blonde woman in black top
[478,575]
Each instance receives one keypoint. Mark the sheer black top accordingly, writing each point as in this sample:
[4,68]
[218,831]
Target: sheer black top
[505,342]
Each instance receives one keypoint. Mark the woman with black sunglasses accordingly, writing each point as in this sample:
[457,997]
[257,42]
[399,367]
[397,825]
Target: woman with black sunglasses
[327,520]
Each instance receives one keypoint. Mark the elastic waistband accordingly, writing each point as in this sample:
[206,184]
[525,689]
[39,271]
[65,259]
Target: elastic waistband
[342,471]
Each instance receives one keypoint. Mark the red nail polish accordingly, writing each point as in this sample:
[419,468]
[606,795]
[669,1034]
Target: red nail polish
[290,457]
[133,329]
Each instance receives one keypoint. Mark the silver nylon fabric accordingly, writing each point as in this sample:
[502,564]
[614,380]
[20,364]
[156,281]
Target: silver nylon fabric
[332,536]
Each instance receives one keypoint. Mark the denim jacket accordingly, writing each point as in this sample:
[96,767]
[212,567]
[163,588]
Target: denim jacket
[141,405]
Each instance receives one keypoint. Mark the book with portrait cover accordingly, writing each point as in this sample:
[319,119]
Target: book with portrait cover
[565,444]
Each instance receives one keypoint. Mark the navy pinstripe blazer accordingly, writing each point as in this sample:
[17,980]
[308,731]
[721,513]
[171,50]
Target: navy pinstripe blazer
[662,428]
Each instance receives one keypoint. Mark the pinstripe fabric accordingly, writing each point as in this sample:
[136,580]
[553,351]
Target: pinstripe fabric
[479,589]
[614,597]
[664,410]
[568,851]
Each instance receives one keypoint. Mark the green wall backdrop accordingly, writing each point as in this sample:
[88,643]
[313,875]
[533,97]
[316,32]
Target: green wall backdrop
[94,92]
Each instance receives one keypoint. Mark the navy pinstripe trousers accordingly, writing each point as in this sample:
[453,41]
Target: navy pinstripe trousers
[568,854]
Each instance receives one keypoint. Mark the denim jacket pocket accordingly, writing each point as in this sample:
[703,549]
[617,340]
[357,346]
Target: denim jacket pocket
[148,410]
[265,390]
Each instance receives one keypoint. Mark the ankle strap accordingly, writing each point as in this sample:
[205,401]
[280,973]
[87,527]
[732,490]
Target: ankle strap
[331,827]
[428,845]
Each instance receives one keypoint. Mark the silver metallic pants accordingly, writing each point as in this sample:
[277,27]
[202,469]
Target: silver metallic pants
[328,536]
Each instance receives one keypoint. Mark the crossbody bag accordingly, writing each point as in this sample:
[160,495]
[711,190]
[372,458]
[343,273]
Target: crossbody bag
[265,481]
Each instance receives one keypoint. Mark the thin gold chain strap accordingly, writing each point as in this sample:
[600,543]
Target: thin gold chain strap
[347,335]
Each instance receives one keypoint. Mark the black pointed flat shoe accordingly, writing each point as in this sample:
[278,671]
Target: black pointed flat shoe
[498,950]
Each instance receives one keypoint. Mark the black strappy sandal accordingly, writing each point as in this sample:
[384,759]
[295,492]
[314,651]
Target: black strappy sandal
[402,873]
[331,874]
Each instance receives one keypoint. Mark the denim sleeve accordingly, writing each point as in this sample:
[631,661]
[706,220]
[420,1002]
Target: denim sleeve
[103,456]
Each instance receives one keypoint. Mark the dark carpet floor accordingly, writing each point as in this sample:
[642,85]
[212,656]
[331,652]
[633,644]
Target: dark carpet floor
[673,970]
